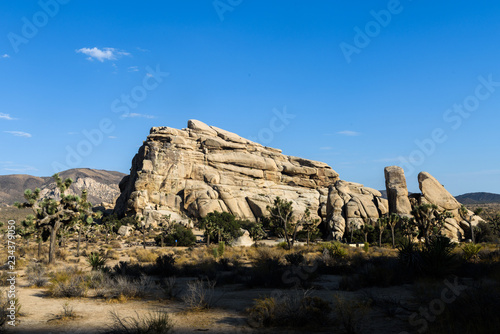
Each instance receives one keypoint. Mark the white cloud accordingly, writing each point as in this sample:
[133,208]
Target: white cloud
[12,167]
[112,137]
[133,69]
[102,55]
[349,133]
[142,50]
[6,116]
[133,115]
[19,134]
[5,56]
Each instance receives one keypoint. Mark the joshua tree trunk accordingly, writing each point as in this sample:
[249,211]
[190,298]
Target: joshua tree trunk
[78,245]
[473,237]
[161,237]
[393,239]
[380,238]
[366,237]
[144,239]
[308,238]
[39,247]
[208,239]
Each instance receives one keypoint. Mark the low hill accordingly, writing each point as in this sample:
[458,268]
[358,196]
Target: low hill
[478,198]
[102,185]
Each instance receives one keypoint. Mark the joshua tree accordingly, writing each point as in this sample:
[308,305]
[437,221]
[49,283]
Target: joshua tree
[309,224]
[464,213]
[428,219]
[282,220]
[381,223]
[392,222]
[367,227]
[52,214]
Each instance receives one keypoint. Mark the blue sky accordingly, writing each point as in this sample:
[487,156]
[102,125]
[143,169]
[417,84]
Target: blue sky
[360,85]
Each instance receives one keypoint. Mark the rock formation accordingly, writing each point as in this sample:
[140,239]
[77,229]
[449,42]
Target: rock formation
[397,192]
[191,172]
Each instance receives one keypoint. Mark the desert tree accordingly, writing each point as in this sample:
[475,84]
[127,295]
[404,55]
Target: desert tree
[309,225]
[52,214]
[281,219]
[429,220]
[221,225]
[393,220]
[380,224]
[367,227]
[464,213]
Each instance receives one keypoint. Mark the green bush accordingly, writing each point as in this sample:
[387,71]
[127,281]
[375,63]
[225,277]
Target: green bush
[335,249]
[470,252]
[223,224]
[183,235]
[96,261]
[295,259]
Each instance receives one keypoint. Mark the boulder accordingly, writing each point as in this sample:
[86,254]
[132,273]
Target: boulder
[245,240]
[397,192]
[124,230]
[435,193]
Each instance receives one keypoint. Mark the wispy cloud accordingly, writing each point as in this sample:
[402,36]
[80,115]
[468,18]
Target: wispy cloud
[326,148]
[19,134]
[102,55]
[5,56]
[142,50]
[349,133]
[112,137]
[133,69]
[6,116]
[133,115]
[17,168]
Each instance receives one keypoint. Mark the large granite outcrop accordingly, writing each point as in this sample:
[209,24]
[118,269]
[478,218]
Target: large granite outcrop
[190,172]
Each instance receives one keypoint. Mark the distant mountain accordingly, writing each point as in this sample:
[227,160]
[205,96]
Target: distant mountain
[102,185]
[478,198]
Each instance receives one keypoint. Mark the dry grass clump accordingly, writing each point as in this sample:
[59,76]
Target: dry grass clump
[296,309]
[68,282]
[200,294]
[156,322]
[144,255]
[123,288]
[36,274]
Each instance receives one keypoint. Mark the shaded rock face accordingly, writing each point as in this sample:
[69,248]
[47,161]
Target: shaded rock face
[397,191]
[190,172]
[351,205]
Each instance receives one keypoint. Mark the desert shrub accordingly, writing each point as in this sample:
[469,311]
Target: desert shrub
[350,314]
[179,232]
[380,272]
[62,254]
[255,230]
[295,259]
[96,261]
[200,294]
[145,255]
[484,233]
[156,322]
[409,255]
[69,282]
[165,265]
[168,286]
[335,249]
[268,269]
[36,274]
[296,309]
[437,257]
[470,252]
[282,245]
[123,287]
